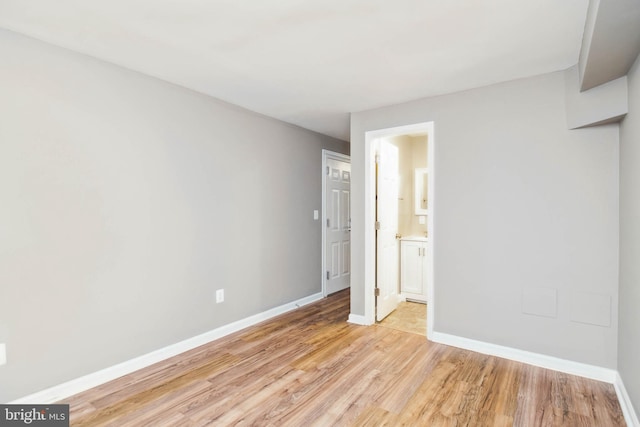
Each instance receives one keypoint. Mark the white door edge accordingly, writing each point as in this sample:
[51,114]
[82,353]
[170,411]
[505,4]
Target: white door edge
[388,262]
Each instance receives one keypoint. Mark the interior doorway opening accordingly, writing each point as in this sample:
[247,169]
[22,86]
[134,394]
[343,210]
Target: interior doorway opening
[422,204]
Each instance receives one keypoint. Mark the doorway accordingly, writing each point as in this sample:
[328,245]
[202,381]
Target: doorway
[336,222]
[372,140]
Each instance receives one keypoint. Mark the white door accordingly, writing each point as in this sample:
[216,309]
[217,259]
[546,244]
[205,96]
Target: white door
[338,225]
[387,225]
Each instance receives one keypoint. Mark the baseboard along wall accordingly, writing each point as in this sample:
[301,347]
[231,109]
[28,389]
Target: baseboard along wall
[78,385]
[62,391]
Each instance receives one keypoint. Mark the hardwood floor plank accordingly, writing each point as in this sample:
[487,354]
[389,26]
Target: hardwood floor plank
[149,395]
[339,342]
[403,384]
[311,367]
[343,411]
[432,395]
[373,416]
[239,409]
[604,402]
[172,375]
[341,377]
[167,404]
[232,386]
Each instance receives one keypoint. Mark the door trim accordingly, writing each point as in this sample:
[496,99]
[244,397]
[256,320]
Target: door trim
[370,218]
[326,155]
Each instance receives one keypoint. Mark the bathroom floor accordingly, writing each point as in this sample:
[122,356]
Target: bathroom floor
[408,317]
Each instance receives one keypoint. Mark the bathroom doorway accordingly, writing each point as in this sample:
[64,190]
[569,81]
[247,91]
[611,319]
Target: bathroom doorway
[414,204]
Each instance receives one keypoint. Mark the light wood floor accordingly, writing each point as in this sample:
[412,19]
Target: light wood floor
[310,367]
[408,317]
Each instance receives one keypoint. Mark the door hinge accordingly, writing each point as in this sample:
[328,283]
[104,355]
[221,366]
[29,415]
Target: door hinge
[327,170]
[376,292]
[328,222]
[327,274]
[377,158]
[377,225]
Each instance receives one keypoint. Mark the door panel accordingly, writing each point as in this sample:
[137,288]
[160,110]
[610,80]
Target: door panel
[335,260]
[346,257]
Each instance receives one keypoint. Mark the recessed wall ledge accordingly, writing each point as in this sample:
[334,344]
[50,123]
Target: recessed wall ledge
[601,105]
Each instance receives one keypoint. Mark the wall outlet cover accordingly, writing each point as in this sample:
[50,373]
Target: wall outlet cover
[3,354]
[219,296]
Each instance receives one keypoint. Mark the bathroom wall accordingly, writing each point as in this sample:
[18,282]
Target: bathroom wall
[418,160]
[412,151]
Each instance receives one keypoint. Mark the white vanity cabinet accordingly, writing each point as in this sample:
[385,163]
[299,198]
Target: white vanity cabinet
[413,268]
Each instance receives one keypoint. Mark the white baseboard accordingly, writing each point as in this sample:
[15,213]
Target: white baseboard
[69,388]
[567,366]
[630,415]
[358,320]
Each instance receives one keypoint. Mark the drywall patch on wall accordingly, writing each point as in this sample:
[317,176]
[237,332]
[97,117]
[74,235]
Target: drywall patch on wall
[540,301]
[591,308]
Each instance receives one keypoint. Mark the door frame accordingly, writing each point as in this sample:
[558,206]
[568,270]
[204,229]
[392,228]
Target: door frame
[327,155]
[370,217]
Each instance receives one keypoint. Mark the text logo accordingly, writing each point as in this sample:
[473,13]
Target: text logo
[34,415]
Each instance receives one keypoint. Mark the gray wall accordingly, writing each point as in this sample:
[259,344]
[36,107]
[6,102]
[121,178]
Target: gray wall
[629,330]
[125,202]
[526,219]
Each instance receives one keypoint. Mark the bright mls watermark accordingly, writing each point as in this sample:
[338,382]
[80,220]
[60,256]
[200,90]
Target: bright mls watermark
[34,415]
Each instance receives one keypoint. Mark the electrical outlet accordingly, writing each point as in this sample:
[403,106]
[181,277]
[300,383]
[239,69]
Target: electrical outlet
[219,296]
[3,354]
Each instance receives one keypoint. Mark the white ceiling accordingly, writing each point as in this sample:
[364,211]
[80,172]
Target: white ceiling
[311,63]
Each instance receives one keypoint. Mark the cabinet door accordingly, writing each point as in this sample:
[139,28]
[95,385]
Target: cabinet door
[424,281]
[412,267]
